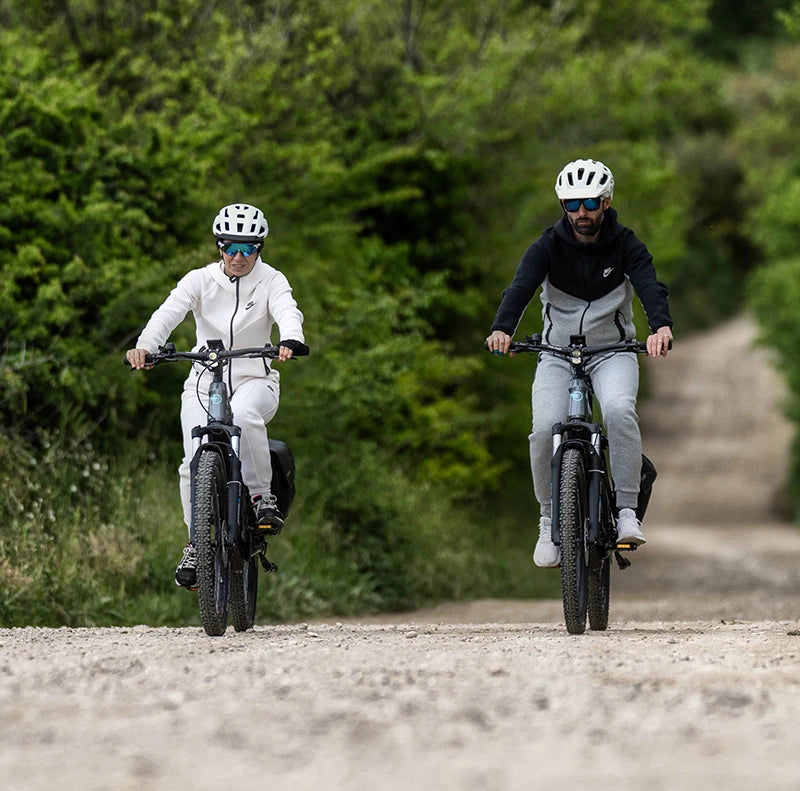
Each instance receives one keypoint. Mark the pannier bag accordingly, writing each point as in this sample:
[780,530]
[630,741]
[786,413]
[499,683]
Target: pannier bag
[645,486]
[282,474]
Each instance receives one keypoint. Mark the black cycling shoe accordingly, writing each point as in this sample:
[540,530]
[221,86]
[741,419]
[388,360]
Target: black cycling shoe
[186,573]
[269,519]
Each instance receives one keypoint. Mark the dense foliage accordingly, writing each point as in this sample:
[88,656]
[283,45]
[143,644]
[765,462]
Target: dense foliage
[404,154]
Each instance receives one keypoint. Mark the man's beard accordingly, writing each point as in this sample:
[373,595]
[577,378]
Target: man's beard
[587,228]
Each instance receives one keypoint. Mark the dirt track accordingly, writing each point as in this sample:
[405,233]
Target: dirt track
[697,681]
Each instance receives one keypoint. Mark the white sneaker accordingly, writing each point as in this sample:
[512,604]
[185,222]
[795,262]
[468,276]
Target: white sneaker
[628,528]
[546,555]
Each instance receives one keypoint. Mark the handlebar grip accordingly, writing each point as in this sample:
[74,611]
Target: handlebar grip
[299,349]
[148,359]
[494,351]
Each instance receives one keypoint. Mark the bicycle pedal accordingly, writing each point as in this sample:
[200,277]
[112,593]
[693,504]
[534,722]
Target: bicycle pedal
[626,546]
[269,530]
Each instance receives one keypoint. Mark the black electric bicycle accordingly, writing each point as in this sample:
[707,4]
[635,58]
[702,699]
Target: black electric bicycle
[223,531]
[583,497]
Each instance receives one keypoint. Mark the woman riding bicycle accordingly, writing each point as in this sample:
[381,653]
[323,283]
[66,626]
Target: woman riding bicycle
[237,299]
[589,265]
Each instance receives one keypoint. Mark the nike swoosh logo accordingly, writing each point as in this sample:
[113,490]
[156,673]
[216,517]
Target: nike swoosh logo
[249,305]
[608,271]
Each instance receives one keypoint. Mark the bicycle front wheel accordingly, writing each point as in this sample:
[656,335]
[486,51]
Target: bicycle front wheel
[573,512]
[210,536]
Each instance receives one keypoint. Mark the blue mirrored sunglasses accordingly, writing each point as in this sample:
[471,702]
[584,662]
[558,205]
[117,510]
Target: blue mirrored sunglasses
[590,204]
[245,248]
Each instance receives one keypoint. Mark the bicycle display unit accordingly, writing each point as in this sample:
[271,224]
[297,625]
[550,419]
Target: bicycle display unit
[223,528]
[583,498]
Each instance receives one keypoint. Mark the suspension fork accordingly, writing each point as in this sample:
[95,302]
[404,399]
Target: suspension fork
[596,475]
[235,509]
[555,483]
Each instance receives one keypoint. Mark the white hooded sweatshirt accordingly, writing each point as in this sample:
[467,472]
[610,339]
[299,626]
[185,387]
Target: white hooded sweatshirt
[241,311]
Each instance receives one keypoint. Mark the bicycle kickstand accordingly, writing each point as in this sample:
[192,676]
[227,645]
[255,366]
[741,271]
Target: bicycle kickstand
[622,562]
[268,566]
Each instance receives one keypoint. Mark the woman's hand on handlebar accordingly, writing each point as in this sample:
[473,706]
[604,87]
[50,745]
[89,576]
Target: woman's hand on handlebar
[660,342]
[498,343]
[284,353]
[137,358]
[289,348]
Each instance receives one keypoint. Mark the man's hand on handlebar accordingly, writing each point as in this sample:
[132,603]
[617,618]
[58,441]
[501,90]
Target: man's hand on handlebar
[498,343]
[660,342]
[137,359]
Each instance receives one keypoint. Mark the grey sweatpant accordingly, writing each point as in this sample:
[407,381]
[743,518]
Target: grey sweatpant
[615,380]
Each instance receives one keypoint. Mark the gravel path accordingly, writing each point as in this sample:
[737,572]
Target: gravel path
[697,680]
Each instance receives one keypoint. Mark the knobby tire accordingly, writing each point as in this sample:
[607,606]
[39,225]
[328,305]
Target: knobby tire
[210,528]
[573,512]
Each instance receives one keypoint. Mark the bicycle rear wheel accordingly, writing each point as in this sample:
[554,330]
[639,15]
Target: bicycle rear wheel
[244,591]
[210,536]
[572,516]
[599,595]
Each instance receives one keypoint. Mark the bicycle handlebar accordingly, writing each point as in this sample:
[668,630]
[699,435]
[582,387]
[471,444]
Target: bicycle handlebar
[168,353]
[576,351]
[534,343]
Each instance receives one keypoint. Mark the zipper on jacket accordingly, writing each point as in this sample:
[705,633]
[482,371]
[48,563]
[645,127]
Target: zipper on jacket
[618,322]
[230,362]
[549,323]
[583,316]
[584,268]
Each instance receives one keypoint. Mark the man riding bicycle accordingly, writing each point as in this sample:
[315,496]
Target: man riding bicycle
[589,266]
[237,299]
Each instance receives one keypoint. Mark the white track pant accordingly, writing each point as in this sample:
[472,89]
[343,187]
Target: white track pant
[254,404]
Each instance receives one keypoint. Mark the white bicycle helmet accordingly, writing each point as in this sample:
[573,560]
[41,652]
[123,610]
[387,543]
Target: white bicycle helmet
[584,178]
[241,222]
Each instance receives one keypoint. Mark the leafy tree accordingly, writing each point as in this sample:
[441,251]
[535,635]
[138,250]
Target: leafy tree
[404,154]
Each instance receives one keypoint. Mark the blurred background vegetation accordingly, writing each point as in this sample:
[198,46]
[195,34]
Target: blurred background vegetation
[404,153]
